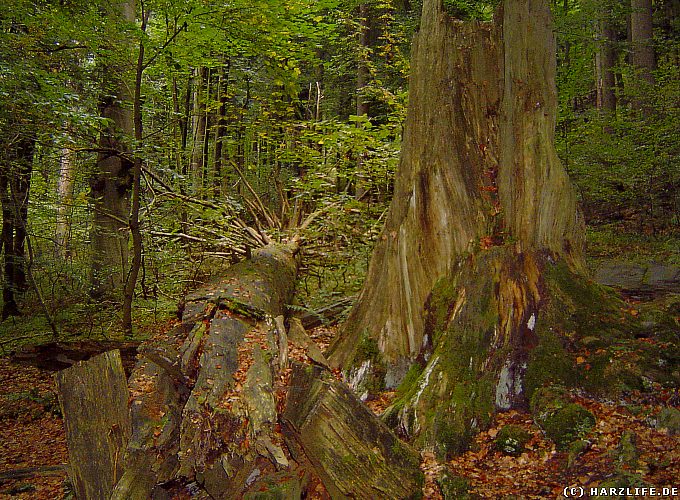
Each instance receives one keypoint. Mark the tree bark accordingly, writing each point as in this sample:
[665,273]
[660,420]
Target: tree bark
[200,127]
[482,211]
[221,129]
[643,55]
[65,185]
[15,182]
[135,229]
[110,186]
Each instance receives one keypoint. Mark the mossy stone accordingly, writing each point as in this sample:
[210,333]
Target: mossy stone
[511,440]
[454,487]
[568,424]
[548,398]
[669,419]
[563,422]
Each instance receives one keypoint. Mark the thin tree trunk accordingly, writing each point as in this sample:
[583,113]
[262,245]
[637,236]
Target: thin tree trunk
[20,185]
[221,129]
[200,116]
[362,106]
[65,185]
[15,182]
[605,62]
[135,231]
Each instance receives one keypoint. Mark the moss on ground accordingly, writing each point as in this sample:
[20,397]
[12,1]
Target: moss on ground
[453,486]
[578,335]
[562,421]
[511,440]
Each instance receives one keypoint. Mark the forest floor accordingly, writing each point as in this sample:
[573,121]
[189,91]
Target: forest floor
[32,436]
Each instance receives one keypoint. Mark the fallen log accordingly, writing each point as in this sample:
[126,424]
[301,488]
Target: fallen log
[355,453]
[639,280]
[204,392]
[215,404]
[28,472]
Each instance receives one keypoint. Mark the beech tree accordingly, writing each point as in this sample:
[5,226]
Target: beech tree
[113,179]
[476,294]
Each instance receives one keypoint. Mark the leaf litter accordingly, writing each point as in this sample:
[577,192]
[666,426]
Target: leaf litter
[32,435]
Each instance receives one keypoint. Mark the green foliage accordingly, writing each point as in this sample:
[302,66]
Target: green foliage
[624,165]
[454,487]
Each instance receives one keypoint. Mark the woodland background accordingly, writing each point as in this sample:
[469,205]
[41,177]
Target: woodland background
[255,114]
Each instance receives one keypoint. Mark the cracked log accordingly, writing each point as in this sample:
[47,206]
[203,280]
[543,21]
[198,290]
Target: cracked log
[215,405]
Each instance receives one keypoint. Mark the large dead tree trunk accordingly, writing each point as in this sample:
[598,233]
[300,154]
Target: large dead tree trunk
[478,169]
[474,292]
[238,405]
[93,398]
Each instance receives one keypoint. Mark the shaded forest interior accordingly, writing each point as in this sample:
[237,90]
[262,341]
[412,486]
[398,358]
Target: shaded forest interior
[149,151]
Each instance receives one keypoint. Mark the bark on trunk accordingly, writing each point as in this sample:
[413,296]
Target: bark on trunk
[110,186]
[478,169]
[15,182]
[221,129]
[643,55]
[482,209]
[65,194]
[200,127]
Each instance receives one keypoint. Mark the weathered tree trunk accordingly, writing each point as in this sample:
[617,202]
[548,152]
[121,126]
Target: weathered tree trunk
[135,229]
[94,401]
[110,186]
[482,209]
[643,55]
[221,128]
[200,128]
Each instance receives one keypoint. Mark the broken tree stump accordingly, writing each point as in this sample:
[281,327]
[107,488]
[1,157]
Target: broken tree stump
[94,401]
